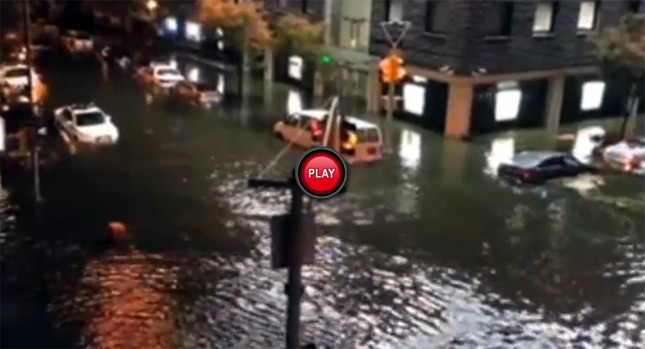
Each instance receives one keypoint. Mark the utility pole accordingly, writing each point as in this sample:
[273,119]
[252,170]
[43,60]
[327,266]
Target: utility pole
[30,95]
[294,257]
[391,85]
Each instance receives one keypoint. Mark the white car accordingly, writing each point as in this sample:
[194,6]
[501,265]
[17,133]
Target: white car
[161,75]
[86,124]
[78,42]
[16,76]
[628,154]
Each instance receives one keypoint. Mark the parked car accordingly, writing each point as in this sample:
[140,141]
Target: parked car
[367,144]
[86,124]
[78,42]
[537,167]
[628,155]
[17,76]
[198,94]
[164,76]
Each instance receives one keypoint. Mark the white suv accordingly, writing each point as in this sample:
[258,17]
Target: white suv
[86,124]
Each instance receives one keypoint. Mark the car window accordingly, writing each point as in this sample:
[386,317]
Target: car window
[292,119]
[368,135]
[556,161]
[14,73]
[89,119]
[570,161]
[167,72]
[67,115]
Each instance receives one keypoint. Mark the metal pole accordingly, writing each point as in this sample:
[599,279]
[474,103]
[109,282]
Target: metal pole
[30,96]
[390,115]
[294,288]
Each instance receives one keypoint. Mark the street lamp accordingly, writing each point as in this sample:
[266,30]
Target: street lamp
[151,5]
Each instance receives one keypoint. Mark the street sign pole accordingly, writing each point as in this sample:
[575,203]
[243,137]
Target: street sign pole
[293,288]
[391,87]
[30,95]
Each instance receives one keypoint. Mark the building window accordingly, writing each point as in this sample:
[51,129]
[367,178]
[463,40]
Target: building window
[499,20]
[437,16]
[592,93]
[393,10]
[295,67]
[193,31]
[587,16]
[635,6]
[410,149]
[544,17]
[507,104]
[304,6]
[294,102]
[414,98]
[171,24]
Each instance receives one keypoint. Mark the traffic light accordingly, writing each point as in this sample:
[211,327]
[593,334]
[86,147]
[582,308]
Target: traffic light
[392,70]
[326,59]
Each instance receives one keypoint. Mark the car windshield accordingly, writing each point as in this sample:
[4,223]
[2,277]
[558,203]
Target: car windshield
[368,135]
[635,142]
[168,72]
[13,73]
[89,119]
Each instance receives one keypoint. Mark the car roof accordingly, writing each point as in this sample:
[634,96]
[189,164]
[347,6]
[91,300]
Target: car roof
[163,66]
[528,159]
[84,108]
[319,114]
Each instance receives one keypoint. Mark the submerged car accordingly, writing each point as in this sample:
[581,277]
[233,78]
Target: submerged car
[17,76]
[198,94]
[164,76]
[86,124]
[537,167]
[629,154]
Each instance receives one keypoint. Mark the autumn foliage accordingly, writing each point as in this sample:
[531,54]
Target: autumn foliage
[235,18]
[298,35]
[621,50]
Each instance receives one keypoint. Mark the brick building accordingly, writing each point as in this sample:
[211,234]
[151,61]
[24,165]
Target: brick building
[480,66]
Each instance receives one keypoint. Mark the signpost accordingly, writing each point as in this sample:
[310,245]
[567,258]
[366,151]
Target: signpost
[392,70]
[292,246]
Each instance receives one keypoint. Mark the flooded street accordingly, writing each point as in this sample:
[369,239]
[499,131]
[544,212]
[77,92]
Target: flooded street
[425,250]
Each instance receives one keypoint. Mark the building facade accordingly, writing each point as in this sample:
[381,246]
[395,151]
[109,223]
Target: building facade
[481,66]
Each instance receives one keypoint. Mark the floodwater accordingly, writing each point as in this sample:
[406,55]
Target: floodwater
[426,249]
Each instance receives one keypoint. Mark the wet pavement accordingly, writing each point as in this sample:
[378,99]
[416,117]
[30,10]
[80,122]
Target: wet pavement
[426,250]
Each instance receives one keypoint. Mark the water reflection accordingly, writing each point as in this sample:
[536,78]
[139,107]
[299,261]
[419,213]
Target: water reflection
[294,101]
[501,150]
[410,149]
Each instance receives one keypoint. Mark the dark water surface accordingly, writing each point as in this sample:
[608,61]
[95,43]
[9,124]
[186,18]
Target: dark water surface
[426,250]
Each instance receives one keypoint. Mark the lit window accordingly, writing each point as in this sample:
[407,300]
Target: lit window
[294,102]
[544,15]
[295,67]
[410,149]
[414,97]
[193,74]
[507,105]
[220,84]
[171,24]
[587,15]
[193,31]
[592,93]
[393,10]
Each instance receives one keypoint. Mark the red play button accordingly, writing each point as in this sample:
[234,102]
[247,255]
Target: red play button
[321,172]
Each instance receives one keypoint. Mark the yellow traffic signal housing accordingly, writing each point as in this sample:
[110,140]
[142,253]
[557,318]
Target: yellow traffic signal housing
[392,69]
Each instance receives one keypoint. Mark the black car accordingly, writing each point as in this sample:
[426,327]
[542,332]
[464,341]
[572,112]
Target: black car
[536,167]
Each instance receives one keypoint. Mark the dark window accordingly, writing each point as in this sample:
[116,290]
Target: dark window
[499,18]
[393,10]
[437,16]
[634,6]
[304,5]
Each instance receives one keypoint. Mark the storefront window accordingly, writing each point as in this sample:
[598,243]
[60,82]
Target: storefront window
[414,97]
[507,104]
[295,67]
[193,31]
[592,93]
[171,24]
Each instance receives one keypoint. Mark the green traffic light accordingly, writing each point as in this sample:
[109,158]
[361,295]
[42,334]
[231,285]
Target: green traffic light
[326,59]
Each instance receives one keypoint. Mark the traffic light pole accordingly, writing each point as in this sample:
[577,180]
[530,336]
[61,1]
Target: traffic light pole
[30,95]
[391,85]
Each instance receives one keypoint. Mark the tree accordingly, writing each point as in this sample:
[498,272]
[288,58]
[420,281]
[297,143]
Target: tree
[298,35]
[236,19]
[620,52]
